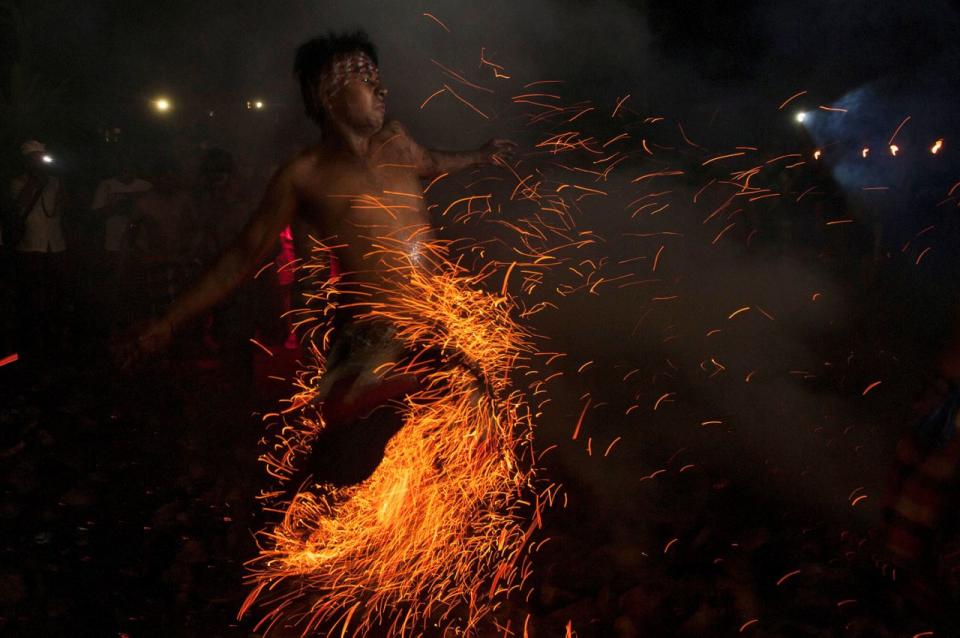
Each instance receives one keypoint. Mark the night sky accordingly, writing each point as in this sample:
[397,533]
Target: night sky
[108,58]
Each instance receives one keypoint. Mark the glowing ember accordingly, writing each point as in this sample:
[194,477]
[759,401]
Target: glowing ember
[894,149]
[936,147]
[435,535]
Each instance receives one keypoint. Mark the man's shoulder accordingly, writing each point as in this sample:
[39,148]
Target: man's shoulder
[395,127]
[395,137]
[303,160]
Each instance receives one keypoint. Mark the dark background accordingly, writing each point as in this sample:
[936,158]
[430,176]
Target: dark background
[129,501]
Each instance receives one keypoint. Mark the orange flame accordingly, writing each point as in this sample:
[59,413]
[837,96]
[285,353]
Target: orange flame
[437,533]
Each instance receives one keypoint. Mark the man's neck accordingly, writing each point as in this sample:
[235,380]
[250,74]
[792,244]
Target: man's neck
[342,139]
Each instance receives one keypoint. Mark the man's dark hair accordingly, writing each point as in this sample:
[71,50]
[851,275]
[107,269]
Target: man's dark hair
[313,56]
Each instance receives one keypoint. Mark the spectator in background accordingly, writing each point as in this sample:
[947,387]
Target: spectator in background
[220,204]
[922,508]
[113,205]
[162,241]
[222,211]
[33,230]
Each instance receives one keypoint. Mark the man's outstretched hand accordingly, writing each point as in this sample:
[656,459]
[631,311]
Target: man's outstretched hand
[498,151]
[142,342]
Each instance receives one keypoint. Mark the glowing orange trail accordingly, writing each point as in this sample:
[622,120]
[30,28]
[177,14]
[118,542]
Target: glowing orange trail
[747,624]
[498,71]
[432,95]
[686,139]
[459,78]
[583,413]
[437,534]
[896,132]
[437,20]
[737,312]
[720,157]
[620,103]
[465,101]
[791,99]
[788,576]
[262,347]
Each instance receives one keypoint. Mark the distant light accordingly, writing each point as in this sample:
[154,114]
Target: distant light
[936,147]
[816,154]
[865,152]
[162,104]
[255,104]
[47,159]
[211,113]
[801,116]
[894,149]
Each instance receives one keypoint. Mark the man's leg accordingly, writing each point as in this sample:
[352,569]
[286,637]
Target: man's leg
[348,453]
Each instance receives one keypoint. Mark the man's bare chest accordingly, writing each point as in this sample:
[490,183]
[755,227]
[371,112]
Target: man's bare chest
[385,194]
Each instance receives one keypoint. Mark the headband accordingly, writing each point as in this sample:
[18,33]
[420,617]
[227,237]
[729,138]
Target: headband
[342,70]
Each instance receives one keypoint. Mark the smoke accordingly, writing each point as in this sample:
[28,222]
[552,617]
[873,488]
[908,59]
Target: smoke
[532,41]
[843,53]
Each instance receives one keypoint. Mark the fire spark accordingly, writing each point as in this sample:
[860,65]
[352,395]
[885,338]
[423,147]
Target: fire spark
[436,536]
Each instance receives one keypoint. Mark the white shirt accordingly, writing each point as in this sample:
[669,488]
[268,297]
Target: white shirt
[108,193]
[43,231]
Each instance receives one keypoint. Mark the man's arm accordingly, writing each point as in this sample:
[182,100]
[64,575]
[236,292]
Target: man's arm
[247,251]
[432,162]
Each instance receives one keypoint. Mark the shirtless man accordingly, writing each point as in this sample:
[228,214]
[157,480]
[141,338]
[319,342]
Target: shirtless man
[361,154]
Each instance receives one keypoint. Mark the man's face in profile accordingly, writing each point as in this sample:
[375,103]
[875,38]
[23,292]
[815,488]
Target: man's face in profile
[359,99]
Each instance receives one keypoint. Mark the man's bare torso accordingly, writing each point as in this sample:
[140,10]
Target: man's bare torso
[355,202]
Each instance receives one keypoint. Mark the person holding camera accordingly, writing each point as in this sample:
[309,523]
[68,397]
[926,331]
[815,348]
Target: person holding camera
[33,233]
